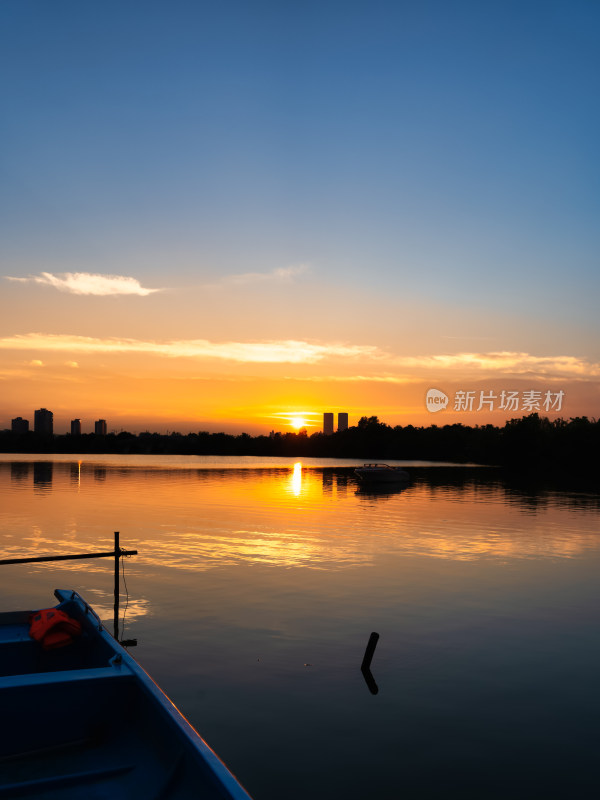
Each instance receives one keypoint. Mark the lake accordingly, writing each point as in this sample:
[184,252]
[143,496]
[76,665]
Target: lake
[259,581]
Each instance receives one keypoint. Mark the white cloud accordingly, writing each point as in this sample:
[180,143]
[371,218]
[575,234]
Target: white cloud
[387,368]
[278,275]
[507,362]
[286,351]
[396,379]
[89,283]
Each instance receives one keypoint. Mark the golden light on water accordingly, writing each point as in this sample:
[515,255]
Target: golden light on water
[297,478]
[298,516]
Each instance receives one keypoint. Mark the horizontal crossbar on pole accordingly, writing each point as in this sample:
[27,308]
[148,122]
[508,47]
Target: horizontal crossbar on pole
[110,554]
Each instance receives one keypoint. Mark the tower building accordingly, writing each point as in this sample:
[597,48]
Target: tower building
[43,422]
[342,421]
[75,427]
[100,427]
[328,423]
[19,425]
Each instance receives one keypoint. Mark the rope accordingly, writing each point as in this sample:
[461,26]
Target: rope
[126,595]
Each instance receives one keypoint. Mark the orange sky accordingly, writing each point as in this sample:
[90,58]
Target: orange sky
[382,365]
[297,217]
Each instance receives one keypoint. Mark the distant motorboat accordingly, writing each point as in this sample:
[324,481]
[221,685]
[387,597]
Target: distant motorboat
[381,473]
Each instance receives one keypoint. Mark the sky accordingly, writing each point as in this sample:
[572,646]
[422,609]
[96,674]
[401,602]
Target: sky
[234,215]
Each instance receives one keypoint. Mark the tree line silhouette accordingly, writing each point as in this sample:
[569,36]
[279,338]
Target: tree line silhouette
[570,445]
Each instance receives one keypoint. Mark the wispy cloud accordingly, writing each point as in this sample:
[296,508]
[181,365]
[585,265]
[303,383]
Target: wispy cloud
[376,364]
[394,379]
[286,351]
[288,414]
[88,283]
[279,275]
[410,369]
[506,362]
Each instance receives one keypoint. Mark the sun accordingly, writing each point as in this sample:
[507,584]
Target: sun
[297,422]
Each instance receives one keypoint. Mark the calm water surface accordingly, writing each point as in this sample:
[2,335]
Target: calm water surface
[257,585]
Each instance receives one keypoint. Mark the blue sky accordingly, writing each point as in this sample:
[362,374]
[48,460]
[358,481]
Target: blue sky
[434,163]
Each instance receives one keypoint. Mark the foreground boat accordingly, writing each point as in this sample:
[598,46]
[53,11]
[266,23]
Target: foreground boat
[81,718]
[381,473]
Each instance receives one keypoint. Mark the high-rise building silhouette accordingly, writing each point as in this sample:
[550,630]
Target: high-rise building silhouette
[75,427]
[100,427]
[19,425]
[328,423]
[343,421]
[43,422]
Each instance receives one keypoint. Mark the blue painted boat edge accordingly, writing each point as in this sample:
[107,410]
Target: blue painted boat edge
[122,660]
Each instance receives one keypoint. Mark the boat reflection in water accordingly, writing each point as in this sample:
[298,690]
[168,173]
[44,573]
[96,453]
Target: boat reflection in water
[380,490]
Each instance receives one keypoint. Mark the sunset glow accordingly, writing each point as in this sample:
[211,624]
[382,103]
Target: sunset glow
[240,237]
[298,422]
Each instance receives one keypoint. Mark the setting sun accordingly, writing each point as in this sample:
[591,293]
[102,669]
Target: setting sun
[297,422]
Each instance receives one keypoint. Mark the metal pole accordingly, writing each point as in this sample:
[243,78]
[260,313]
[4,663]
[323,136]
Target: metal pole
[117,558]
[117,554]
[73,557]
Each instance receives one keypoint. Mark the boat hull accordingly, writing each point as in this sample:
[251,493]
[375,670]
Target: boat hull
[381,473]
[87,721]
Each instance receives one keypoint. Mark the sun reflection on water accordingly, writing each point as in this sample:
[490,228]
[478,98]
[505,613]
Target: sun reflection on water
[244,577]
[297,478]
[292,516]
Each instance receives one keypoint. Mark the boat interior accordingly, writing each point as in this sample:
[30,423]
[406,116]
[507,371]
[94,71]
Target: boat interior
[79,722]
